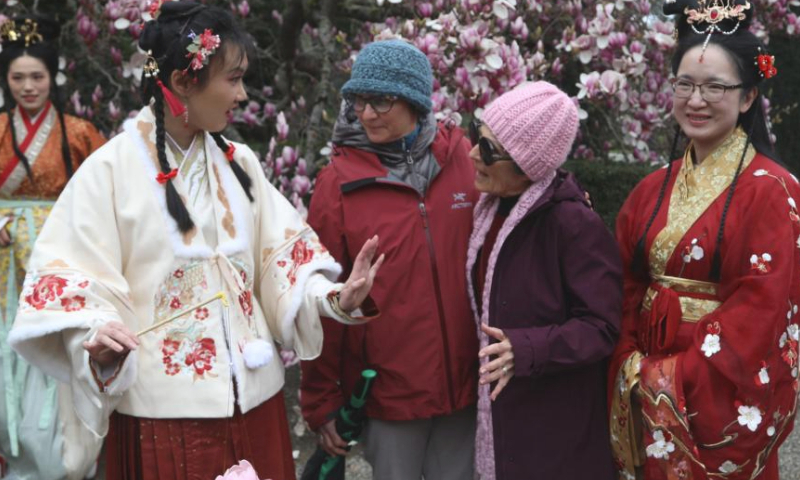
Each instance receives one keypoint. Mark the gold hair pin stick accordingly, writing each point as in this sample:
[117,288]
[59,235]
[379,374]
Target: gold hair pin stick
[221,296]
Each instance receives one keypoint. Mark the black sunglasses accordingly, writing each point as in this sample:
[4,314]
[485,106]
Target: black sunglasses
[489,152]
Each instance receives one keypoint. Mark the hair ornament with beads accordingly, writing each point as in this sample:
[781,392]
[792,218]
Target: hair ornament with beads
[202,47]
[710,17]
[766,64]
[25,31]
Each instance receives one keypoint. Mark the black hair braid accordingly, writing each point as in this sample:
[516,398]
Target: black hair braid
[21,156]
[241,175]
[175,204]
[638,263]
[716,263]
[65,153]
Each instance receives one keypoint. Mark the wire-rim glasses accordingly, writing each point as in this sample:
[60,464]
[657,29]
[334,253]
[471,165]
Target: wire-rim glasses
[710,92]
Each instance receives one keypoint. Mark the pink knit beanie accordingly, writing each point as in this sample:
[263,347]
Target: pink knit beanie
[536,123]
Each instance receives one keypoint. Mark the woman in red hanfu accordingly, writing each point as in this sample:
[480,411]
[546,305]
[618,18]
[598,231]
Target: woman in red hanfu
[704,381]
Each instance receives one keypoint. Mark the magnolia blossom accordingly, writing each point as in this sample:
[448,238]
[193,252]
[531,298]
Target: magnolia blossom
[282,127]
[241,471]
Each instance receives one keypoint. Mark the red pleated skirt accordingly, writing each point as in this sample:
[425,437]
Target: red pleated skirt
[200,449]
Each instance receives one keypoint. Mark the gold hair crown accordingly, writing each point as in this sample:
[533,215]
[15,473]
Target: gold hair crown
[715,12]
[28,32]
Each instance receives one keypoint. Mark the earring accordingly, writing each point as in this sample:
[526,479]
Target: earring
[186,117]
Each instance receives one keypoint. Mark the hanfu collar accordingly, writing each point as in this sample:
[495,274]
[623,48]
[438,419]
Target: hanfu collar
[719,166]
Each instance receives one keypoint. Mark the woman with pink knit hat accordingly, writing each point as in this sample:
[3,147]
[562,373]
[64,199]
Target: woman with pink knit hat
[545,280]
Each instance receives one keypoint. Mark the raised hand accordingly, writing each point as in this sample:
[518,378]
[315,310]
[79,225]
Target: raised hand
[358,285]
[501,368]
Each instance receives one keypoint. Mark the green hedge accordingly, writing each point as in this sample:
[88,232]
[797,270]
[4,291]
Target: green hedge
[608,183]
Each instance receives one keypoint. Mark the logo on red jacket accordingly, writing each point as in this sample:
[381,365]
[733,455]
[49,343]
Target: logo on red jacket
[460,201]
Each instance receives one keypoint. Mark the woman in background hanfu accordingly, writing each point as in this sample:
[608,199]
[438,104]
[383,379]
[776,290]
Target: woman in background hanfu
[704,381]
[40,148]
[159,222]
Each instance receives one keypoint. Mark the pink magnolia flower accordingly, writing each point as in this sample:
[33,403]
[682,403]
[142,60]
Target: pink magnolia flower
[282,127]
[243,8]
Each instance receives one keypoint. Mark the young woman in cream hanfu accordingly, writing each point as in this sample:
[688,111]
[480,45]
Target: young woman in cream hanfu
[704,381]
[170,220]
[40,148]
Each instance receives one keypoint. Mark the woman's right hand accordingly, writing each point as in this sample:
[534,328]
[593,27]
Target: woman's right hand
[330,441]
[111,342]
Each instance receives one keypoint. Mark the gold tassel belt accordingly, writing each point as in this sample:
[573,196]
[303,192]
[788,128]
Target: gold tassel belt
[697,298]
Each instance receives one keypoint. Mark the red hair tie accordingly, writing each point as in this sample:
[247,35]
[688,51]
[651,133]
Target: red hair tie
[163,178]
[229,152]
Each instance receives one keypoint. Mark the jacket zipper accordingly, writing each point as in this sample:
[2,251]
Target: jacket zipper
[439,305]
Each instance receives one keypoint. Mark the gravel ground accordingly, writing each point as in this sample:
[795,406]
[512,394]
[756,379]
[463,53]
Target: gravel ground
[790,455]
[358,469]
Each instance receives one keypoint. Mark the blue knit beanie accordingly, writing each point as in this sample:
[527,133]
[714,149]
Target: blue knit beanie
[392,67]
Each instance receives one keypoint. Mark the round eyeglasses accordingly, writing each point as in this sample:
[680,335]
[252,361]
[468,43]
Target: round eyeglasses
[489,152]
[379,104]
[710,92]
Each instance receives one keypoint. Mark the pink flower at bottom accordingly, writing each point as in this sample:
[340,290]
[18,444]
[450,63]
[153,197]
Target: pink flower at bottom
[242,471]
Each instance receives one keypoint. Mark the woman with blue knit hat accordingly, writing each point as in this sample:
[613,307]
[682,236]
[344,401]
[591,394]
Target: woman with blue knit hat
[398,173]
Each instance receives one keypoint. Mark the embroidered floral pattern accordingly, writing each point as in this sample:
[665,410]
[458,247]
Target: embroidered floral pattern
[711,343]
[749,416]
[693,251]
[728,467]
[202,356]
[73,304]
[201,313]
[246,302]
[48,289]
[183,354]
[762,377]
[761,263]
[182,287]
[61,292]
[660,448]
[788,343]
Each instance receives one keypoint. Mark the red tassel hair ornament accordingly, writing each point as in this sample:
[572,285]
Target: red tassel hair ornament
[176,108]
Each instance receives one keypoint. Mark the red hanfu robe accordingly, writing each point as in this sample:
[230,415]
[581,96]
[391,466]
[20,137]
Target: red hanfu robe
[716,364]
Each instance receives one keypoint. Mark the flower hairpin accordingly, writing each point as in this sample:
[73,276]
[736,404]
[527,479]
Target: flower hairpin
[766,65]
[202,47]
[27,31]
[154,9]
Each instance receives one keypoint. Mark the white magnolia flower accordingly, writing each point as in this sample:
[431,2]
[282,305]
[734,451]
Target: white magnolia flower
[749,417]
[660,448]
[711,345]
[792,203]
[728,467]
[771,431]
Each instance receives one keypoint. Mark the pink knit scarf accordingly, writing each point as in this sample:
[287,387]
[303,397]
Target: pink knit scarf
[482,220]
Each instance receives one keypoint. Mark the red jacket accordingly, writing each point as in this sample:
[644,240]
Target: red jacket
[424,346]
